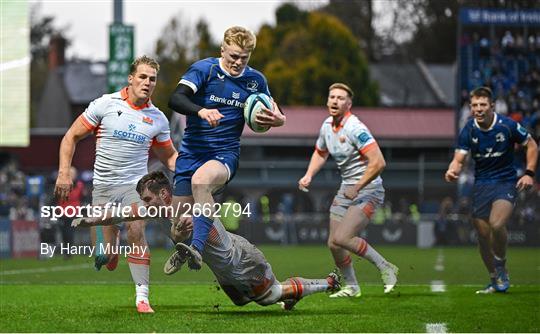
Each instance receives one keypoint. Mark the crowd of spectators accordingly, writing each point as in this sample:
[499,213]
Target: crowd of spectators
[21,197]
[510,65]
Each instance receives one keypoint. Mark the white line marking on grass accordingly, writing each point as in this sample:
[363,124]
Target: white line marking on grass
[438,327]
[439,262]
[45,269]
[438,286]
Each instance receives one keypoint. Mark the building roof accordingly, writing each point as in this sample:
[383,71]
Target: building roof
[414,85]
[84,80]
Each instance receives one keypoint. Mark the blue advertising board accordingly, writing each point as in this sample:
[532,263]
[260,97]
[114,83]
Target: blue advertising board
[487,16]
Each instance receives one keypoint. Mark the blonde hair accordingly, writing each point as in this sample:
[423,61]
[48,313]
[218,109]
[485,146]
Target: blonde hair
[240,37]
[143,60]
[342,86]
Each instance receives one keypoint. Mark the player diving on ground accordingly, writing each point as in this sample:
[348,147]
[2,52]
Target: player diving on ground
[239,267]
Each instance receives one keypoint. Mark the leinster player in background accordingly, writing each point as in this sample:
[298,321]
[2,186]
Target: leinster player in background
[490,139]
[211,95]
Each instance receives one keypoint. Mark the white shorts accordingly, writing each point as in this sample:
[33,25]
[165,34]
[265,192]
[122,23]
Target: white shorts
[368,199]
[125,195]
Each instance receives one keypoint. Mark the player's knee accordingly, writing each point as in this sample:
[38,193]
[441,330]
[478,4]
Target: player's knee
[498,226]
[271,296]
[340,240]
[135,231]
[332,244]
[200,180]
[483,235]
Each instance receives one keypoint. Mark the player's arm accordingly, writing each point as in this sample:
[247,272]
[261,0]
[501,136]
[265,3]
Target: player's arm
[180,102]
[527,180]
[271,118]
[167,154]
[318,158]
[374,168]
[455,167]
[64,183]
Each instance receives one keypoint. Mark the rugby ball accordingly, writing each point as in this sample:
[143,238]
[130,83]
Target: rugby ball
[252,106]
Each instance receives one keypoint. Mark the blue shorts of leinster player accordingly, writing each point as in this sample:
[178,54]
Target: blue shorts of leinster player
[490,139]
[211,94]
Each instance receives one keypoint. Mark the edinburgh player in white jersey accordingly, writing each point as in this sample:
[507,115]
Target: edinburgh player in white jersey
[127,125]
[360,163]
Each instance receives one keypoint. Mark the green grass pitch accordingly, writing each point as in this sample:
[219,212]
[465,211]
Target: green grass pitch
[69,296]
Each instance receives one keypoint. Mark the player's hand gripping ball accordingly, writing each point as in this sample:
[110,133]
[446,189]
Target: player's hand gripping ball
[253,106]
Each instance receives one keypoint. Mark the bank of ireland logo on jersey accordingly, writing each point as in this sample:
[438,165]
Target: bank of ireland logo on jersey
[252,86]
[235,95]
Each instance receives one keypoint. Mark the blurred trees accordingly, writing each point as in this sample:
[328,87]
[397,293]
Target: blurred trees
[179,46]
[301,56]
[412,29]
[432,25]
[306,52]
[358,16]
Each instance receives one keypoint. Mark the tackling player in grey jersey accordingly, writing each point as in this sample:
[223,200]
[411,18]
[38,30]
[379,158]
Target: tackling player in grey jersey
[240,268]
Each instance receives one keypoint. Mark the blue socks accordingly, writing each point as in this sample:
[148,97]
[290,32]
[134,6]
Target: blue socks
[201,229]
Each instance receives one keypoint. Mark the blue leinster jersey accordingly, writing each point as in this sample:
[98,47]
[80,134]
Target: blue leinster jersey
[215,89]
[492,149]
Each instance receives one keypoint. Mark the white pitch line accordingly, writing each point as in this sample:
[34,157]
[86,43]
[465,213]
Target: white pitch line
[45,269]
[439,262]
[437,327]
[438,286]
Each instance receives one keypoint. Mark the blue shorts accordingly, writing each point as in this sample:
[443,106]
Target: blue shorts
[485,194]
[188,163]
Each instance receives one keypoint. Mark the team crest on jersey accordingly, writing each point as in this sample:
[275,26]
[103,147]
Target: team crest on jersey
[252,86]
[147,120]
[363,138]
[499,137]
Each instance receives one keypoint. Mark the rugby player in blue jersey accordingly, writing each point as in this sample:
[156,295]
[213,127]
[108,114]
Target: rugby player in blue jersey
[490,139]
[211,94]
